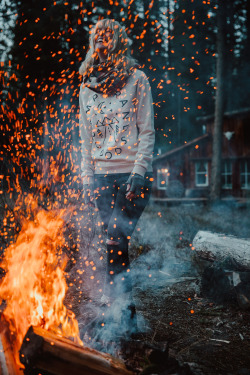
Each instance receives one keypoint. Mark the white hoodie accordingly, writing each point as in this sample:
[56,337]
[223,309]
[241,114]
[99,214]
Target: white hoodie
[117,132]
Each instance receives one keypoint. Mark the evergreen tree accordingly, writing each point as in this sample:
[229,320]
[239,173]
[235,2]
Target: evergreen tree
[174,43]
[192,65]
[239,72]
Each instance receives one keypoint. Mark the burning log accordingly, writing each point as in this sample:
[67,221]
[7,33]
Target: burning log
[43,351]
[8,365]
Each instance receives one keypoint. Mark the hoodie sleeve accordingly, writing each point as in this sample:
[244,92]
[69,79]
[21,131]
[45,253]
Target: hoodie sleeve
[145,125]
[85,127]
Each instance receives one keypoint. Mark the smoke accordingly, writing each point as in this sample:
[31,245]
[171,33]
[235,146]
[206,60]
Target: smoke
[155,264]
[162,264]
[111,324]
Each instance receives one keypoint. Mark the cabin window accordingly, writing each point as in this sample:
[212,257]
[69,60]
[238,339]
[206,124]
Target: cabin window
[245,174]
[162,178]
[226,175]
[201,173]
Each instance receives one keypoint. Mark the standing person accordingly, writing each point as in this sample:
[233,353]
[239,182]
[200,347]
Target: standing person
[117,141]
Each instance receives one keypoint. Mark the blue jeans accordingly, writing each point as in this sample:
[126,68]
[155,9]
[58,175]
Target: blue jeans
[119,216]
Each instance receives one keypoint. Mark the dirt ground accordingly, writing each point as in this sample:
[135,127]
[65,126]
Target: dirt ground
[214,339]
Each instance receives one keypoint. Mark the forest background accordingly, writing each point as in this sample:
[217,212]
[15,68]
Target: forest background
[42,45]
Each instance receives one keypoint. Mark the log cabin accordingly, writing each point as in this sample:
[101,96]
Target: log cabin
[185,171]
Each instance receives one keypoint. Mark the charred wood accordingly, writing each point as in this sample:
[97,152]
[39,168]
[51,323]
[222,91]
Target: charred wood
[47,353]
[8,365]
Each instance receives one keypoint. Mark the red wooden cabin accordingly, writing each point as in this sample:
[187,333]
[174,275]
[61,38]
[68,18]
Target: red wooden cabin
[186,170]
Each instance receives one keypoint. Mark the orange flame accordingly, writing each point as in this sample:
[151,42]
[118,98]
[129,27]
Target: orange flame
[34,286]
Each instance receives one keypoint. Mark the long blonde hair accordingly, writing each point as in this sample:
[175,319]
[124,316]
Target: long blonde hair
[118,54]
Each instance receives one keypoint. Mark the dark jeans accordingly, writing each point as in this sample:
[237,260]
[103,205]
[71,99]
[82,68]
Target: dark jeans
[119,216]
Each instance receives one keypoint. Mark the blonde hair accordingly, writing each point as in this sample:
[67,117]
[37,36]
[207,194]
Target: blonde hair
[119,52]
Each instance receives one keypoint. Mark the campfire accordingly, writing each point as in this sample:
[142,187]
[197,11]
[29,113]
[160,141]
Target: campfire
[35,323]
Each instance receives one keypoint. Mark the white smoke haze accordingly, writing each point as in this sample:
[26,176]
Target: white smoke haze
[161,255]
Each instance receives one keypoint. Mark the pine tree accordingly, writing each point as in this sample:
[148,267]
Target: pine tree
[192,64]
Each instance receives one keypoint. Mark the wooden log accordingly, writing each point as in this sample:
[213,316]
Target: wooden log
[221,246]
[8,365]
[44,351]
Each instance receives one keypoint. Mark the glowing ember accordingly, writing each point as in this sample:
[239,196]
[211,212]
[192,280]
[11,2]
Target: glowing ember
[34,286]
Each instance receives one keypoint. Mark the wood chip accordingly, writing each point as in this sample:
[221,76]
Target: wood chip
[225,341]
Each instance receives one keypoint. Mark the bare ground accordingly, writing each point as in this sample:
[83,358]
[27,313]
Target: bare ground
[212,338]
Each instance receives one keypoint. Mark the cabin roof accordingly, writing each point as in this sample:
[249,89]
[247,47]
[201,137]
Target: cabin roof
[181,148]
[236,113]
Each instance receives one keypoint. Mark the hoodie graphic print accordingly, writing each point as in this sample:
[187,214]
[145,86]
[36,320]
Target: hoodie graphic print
[117,132]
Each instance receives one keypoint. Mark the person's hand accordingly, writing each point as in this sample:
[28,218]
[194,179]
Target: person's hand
[135,186]
[88,194]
